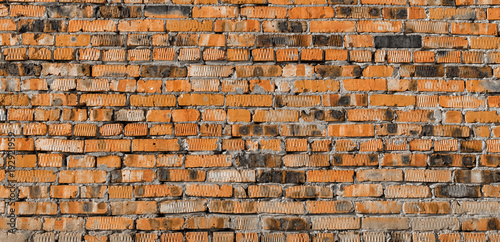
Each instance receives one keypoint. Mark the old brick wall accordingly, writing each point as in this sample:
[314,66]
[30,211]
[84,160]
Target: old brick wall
[249,120]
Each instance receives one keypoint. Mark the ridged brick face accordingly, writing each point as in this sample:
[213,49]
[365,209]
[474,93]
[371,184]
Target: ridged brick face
[249,120]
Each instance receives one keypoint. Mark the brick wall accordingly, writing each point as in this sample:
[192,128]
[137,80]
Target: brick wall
[249,120]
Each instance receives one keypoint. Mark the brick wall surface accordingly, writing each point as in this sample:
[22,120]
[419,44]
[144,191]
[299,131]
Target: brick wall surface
[249,120]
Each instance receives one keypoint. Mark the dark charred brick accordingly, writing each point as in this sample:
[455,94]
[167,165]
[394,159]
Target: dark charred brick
[270,177]
[458,191]
[426,71]
[374,12]
[323,40]
[163,71]
[278,101]
[337,115]
[448,2]
[468,161]
[346,11]
[271,130]
[30,25]
[396,13]
[15,69]
[296,177]
[469,71]
[494,224]
[184,40]
[160,11]
[398,41]
[441,160]
[344,101]
[164,175]
[119,11]
[319,114]
[193,175]
[292,27]
[68,11]
[259,160]
[337,160]
[244,130]
[428,130]
[283,40]
[257,130]
[392,128]
[328,71]
[405,159]
[286,224]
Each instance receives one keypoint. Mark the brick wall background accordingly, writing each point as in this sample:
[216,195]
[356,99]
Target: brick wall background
[249,120]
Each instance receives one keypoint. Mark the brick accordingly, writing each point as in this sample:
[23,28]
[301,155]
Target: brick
[398,41]
[335,223]
[332,26]
[378,207]
[408,191]
[363,190]
[352,130]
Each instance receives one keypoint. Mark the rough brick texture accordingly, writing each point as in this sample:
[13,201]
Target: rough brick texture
[249,120]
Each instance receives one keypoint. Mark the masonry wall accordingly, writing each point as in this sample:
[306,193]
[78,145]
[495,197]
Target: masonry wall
[249,120]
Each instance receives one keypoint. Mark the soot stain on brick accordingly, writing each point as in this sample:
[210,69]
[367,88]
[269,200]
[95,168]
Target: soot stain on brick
[323,40]
[296,27]
[319,114]
[193,175]
[374,12]
[271,130]
[344,101]
[389,115]
[458,191]
[294,177]
[401,13]
[468,161]
[441,160]
[427,130]
[244,130]
[116,176]
[493,224]
[164,174]
[290,27]
[405,159]
[278,100]
[448,2]
[271,177]
[398,41]
[337,159]
[169,10]
[345,11]
[392,128]
[338,115]
[12,69]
